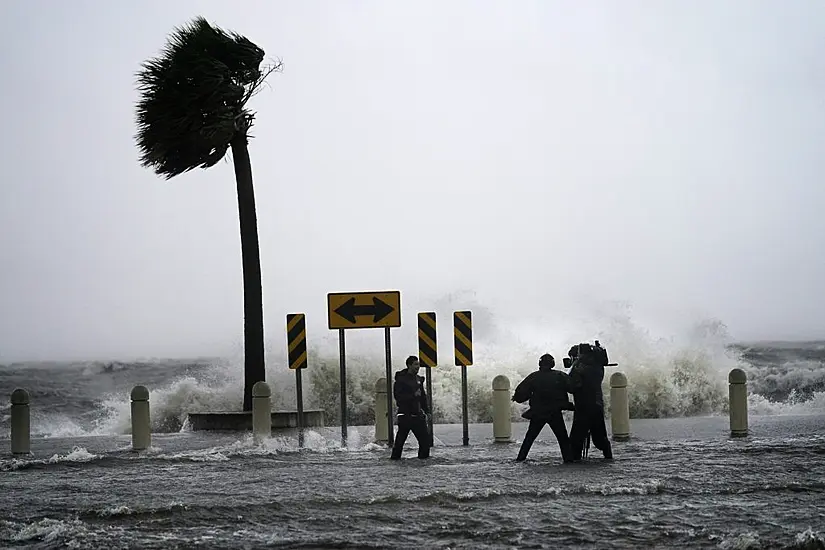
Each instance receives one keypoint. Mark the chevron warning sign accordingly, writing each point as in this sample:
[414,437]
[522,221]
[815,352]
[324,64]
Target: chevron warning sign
[427,341]
[296,338]
[463,330]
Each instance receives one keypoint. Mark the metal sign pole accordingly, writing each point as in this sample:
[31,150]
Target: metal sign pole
[343,360]
[388,350]
[466,430]
[300,396]
[429,372]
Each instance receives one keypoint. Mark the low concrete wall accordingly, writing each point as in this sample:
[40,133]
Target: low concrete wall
[238,421]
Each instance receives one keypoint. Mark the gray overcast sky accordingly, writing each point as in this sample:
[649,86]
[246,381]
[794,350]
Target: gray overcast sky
[547,155]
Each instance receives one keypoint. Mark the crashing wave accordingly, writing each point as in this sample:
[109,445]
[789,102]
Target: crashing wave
[667,377]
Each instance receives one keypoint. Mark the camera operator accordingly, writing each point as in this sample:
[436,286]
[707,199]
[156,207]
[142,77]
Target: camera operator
[586,376]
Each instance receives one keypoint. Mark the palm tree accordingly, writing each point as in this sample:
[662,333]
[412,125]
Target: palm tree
[191,111]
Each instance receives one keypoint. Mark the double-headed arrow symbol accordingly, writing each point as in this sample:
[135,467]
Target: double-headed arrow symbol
[379,309]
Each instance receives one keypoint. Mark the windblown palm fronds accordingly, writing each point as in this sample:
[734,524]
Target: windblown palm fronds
[193,97]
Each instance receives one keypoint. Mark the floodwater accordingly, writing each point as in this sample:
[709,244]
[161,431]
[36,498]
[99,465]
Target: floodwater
[679,482]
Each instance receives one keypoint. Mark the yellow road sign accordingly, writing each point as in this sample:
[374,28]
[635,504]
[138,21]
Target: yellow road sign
[463,329]
[364,309]
[296,339]
[427,341]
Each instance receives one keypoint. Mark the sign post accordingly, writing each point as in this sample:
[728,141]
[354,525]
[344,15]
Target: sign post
[342,348]
[388,351]
[428,356]
[463,332]
[296,339]
[349,310]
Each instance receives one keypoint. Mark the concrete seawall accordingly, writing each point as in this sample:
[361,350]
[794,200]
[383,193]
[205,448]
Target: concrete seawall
[242,421]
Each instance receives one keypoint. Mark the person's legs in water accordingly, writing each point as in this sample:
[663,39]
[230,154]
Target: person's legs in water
[560,431]
[598,432]
[404,427]
[418,424]
[578,432]
[533,431]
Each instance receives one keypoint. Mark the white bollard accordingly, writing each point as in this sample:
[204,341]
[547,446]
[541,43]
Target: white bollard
[141,420]
[20,423]
[380,408]
[738,395]
[261,411]
[502,422]
[619,407]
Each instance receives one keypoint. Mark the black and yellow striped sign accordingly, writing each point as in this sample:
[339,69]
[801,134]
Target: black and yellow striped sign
[427,342]
[296,339]
[463,329]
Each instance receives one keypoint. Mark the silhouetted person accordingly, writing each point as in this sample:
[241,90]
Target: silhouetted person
[547,390]
[411,401]
[586,376]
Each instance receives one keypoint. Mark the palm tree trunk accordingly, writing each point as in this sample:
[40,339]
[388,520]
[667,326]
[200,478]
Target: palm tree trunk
[253,308]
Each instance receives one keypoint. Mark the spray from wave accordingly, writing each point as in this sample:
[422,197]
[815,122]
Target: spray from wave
[680,375]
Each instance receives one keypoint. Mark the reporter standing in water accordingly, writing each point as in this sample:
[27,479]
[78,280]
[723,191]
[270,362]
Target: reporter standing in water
[547,390]
[411,401]
[586,376]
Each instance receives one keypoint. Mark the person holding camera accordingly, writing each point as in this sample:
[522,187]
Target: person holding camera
[547,390]
[411,401]
[586,376]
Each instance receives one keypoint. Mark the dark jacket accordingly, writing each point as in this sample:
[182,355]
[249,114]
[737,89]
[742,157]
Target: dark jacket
[586,383]
[404,390]
[547,392]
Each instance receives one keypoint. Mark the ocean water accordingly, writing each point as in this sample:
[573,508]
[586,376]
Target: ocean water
[680,481]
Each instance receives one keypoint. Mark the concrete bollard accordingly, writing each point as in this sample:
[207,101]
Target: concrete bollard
[738,395]
[20,423]
[619,407]
[502,422]
[380,408]
[141,420]
[261,411]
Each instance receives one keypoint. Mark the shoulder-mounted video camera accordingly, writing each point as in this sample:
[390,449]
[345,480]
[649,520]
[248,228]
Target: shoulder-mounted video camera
[591,354]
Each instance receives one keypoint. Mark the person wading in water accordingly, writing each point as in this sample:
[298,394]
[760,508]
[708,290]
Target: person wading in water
[411,401]
[547,390]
